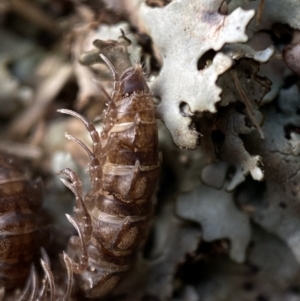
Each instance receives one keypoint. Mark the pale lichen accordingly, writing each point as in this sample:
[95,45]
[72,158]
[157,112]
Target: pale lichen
[216,212]
[183,32]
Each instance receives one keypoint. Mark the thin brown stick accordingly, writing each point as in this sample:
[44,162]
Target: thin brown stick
[247,103]
[260,12]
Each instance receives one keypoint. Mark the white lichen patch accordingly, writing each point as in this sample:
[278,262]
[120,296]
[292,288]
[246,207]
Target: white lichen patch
[183,32]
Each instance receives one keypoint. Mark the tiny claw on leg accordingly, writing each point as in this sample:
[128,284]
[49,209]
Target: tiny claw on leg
[31,285]
[80,267]
[73,179]
[45,257]
[50,279]
[34,284]
[68,263]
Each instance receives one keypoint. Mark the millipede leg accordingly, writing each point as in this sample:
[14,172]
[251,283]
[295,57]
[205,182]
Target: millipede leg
[89,126]
[31,287]
[73,179]
[50,279]
[75,185]
[80,267]
[115,92]
[94,168]
[68,264]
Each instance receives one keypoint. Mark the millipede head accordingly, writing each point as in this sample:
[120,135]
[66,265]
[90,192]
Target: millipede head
[133,80]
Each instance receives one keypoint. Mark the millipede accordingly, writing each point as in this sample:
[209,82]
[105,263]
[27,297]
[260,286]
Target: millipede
[22,228]
[113,218]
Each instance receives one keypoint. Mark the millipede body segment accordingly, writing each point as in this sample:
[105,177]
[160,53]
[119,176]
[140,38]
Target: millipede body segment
[22,229]
[113,219]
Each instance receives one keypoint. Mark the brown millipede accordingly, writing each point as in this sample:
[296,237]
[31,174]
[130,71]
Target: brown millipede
[114,217]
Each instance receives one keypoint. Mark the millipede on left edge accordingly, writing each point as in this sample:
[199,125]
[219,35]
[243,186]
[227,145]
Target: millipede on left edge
[22,229]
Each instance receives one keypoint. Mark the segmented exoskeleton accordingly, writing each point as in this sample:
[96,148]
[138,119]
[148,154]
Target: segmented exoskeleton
[22,229]
[114,217]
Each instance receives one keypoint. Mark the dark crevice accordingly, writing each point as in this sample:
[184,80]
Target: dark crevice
[205,59]
[185,110]
[289,129]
